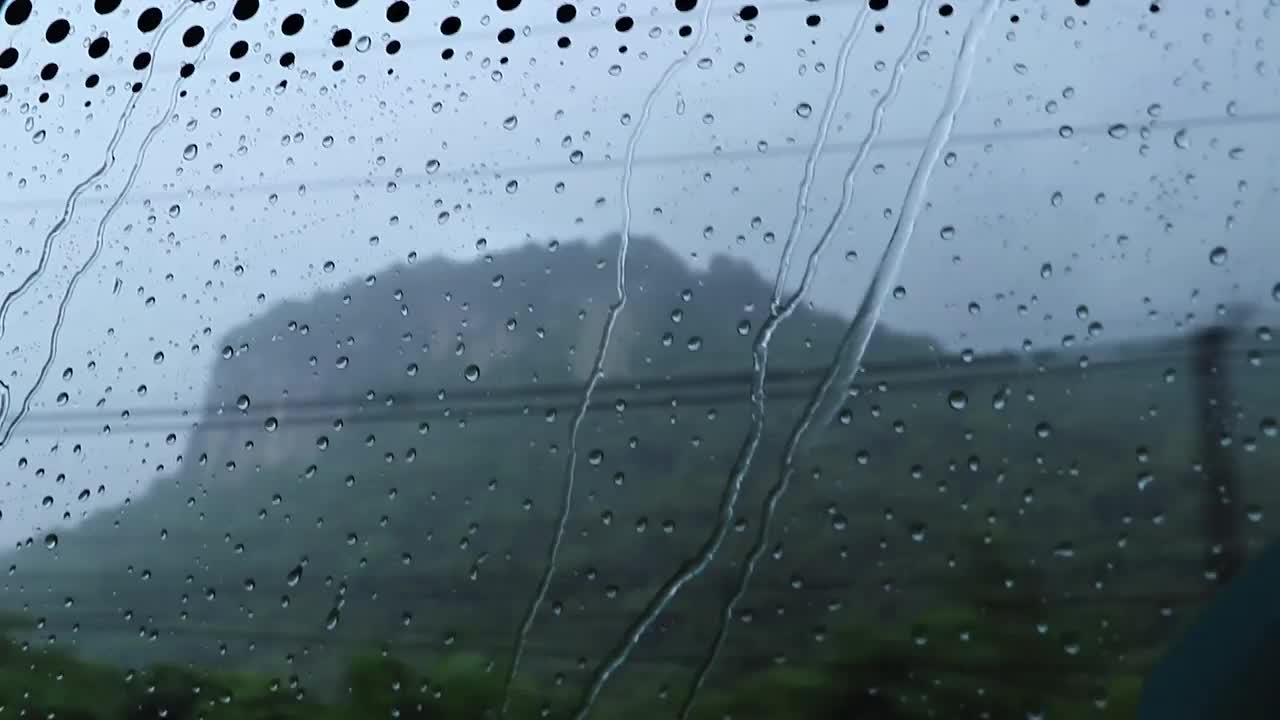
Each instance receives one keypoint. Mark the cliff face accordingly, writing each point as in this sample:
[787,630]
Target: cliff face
[417,335]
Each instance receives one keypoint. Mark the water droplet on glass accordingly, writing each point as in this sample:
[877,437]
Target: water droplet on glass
[1269,427]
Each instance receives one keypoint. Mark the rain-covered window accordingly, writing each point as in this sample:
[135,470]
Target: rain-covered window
[892,359]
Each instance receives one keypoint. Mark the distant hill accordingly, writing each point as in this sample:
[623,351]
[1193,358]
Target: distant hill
[399,427]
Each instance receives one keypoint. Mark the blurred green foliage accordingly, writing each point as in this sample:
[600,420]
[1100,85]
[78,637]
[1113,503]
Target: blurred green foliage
[975,657]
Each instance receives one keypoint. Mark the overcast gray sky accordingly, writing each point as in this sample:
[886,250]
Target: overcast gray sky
[1102,155]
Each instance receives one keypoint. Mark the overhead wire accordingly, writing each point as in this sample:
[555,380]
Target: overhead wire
[699,389]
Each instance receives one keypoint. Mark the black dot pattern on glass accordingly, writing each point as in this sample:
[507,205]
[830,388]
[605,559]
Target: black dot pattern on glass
[244,9]
[99,47]
[17,12]
[57,31]
[150,19]
[292,25]
[397,11]
[49,71]
[150,15]
[193,36]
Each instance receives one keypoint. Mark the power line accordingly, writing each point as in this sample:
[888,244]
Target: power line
[690,390]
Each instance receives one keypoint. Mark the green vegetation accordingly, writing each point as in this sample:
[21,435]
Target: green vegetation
[975,658]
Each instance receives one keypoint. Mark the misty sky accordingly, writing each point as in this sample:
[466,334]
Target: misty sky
[1102,155]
